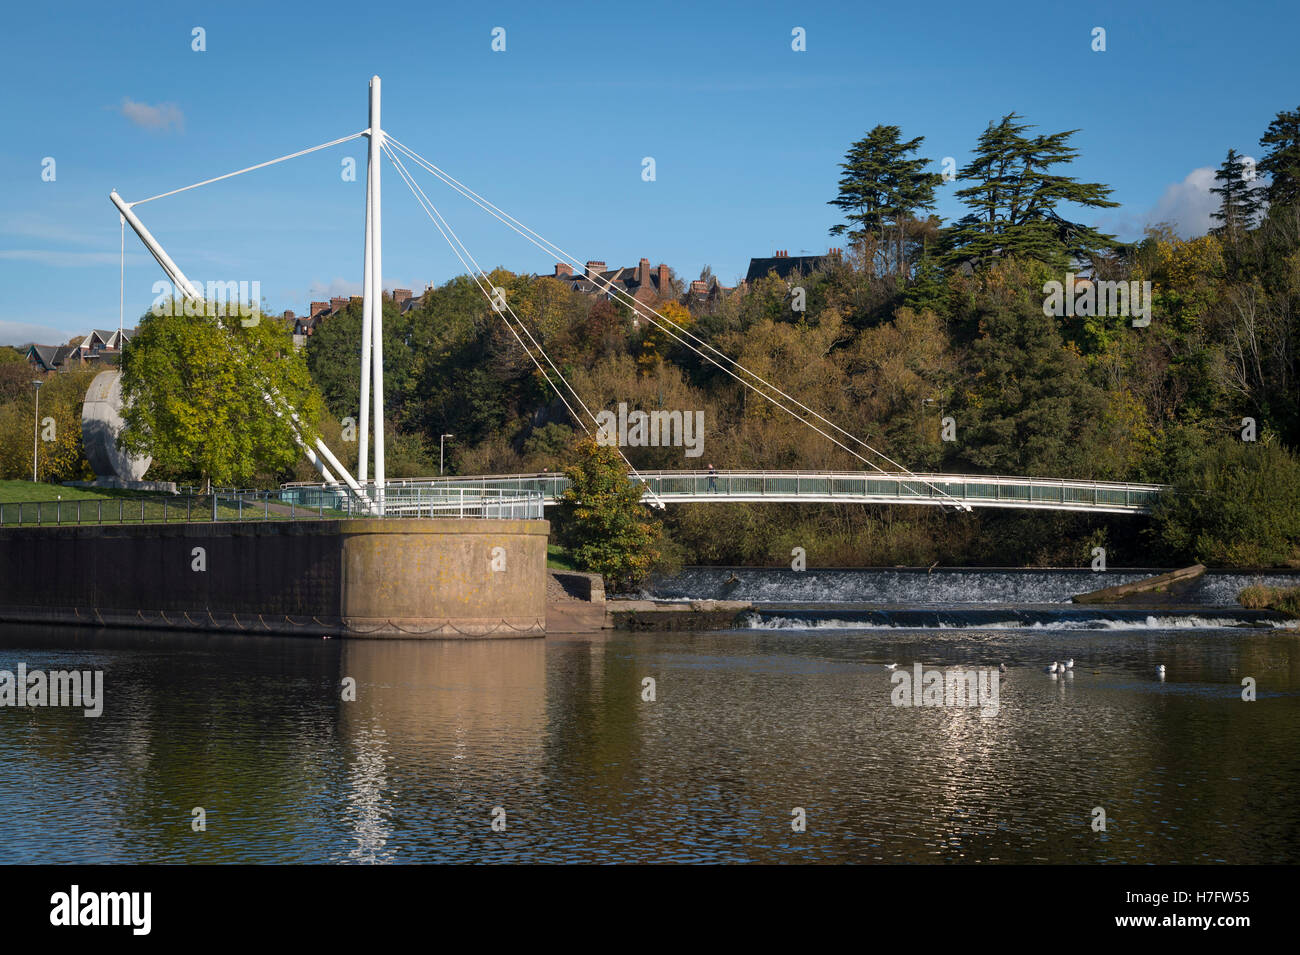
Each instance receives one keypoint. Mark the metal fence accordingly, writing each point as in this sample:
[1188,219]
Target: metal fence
[422,500]
[280,505]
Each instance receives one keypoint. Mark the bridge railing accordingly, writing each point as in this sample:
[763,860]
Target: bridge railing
[976,490]
[425,501]
[849,486]
[302,504]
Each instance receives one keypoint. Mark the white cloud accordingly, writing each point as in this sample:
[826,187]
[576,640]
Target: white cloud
[37,227]
[159,117]
[24,333]
[1187,205]
[337,288]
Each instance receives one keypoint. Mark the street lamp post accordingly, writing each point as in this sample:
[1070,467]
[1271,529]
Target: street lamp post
[36,427]
[441,439]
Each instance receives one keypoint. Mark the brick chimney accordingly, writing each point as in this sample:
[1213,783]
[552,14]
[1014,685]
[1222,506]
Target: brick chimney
[594,269]
[643,273]
[355,298]
[699,287]
[317,308]
[288,315]
[664,279]
[400,295]
[563,269]
[337,303]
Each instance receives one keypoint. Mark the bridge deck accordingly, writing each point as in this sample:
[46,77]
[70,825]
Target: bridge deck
[971,490]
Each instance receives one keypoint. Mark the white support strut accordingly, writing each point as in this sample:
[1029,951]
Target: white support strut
[277,404]
[375,290]
[363,445]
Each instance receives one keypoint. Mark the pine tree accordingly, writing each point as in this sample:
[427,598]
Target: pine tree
[1239,201]
[1282,160]
[881,191]
[1014,199]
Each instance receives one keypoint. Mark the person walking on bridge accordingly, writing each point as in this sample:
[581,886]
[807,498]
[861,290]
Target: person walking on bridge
[713,479]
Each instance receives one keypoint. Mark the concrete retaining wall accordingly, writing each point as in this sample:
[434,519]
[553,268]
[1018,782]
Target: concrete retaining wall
[357,578]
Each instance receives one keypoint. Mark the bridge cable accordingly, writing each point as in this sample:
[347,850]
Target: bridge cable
[474,273]
[475,270]
[261,165]
[546,245]
[638,307]
[270,393]
[774,401]
[741,380]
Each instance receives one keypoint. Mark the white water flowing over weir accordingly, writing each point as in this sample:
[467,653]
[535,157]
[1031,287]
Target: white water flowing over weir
[957,599]
[941,587]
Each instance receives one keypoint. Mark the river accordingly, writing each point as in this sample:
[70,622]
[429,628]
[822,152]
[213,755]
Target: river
[750,734]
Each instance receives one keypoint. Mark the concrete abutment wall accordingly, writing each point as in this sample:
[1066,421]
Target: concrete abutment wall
[355,578]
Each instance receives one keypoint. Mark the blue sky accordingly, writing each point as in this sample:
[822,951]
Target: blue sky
[745,132]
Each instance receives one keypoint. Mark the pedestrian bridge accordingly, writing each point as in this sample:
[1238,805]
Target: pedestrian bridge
[961,491]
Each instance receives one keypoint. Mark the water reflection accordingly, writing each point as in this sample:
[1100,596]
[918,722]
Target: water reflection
[436,728]
[745,728]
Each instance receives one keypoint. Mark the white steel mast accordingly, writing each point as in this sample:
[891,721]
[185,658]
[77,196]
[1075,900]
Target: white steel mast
[372,330]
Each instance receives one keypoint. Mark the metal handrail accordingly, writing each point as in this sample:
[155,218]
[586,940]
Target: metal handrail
[331,504]
[979,490]
[912,476]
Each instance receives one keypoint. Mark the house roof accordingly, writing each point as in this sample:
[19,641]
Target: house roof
[51,356]
[786,265]
[624,279]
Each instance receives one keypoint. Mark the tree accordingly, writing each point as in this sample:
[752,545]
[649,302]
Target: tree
[1186,275]
[880,192]
[657,340]
[1237,505]
[1282,159]
[608,530]
[61,456]
[333,355]
[194,395]
[16,380]
[1026,406]
[603,333]
[1239,200]
[1015,197]
[548,445]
